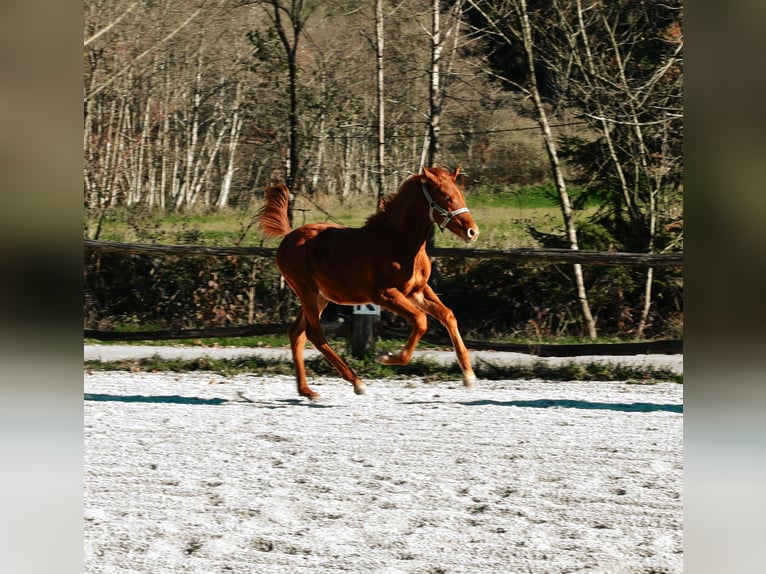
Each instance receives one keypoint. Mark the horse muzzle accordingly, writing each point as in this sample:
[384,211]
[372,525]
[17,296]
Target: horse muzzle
[471,234]
[463,226]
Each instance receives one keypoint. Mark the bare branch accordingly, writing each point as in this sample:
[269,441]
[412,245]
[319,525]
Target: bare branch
[145,53]
[110,25]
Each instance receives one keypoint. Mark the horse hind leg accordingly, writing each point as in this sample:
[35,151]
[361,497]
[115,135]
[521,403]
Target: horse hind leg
[315,334]
[297,334]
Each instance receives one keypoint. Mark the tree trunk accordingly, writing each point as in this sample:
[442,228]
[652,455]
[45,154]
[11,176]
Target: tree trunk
[379,43]
[434,99]
[431,144]
[236,127]
[558,176]
[290,45]
[320,153]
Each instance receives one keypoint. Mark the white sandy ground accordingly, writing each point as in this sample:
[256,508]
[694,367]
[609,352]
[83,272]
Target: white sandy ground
[195,472]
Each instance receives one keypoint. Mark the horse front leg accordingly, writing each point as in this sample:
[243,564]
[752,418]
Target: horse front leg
[397,303]
[438,310]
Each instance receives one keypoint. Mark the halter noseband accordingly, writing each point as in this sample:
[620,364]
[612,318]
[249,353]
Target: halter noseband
[433,206]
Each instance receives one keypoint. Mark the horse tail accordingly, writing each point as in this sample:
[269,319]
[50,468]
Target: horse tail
[273,215]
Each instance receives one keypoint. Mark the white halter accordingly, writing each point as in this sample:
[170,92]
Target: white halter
[433,206]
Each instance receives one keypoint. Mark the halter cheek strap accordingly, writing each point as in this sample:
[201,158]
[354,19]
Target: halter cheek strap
[433,206]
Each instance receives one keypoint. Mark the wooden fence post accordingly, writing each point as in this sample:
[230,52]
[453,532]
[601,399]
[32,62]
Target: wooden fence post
[362,338]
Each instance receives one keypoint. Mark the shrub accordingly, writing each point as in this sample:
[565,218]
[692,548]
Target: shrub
[491,298]
[183,292]
[538,301]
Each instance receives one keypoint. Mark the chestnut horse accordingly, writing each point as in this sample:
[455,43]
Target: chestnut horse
[383,262]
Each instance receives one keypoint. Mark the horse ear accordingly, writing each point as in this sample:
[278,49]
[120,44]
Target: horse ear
[426,175]
[456,173]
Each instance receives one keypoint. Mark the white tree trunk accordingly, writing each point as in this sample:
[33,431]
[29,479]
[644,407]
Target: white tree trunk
[550,145]
[379,45]
[236,127]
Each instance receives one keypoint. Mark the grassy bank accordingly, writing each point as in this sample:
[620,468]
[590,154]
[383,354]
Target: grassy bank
[418,368]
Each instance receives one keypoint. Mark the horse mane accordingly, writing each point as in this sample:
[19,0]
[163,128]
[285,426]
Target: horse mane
[383,212]
[273,214]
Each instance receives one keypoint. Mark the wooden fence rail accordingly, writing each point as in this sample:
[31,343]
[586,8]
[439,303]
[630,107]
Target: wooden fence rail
[518,254]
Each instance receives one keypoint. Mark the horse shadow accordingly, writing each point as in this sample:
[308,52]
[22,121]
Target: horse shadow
[288,403]
[181,400]
[168,399]
[570,404]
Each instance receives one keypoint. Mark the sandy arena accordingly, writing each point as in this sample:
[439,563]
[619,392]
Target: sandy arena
[195,472]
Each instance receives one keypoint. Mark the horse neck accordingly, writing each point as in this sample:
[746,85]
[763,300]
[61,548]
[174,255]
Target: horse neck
[409,216]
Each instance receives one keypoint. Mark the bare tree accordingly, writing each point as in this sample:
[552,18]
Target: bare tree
[509,21]
[186,102]
[633,98]
[289,19]
[437,87]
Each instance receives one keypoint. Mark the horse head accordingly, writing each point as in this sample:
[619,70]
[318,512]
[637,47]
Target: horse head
[447,207]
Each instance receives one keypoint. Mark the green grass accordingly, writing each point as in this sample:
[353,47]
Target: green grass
[369,368]
[503,217]
[419,368]
[531,197]
[223,227]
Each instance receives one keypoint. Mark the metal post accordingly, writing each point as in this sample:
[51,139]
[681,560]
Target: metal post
[362,338]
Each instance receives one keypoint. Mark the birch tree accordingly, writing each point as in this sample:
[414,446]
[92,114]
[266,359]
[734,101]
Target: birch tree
[380,99]
[509,22]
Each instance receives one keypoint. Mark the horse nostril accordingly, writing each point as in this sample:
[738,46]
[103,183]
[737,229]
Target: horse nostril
[472,233]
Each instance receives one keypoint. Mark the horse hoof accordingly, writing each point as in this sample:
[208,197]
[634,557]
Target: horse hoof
[311,395]
[360,389]
[391,359]
[469,380]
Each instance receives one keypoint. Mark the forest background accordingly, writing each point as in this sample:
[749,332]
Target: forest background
[572,108]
